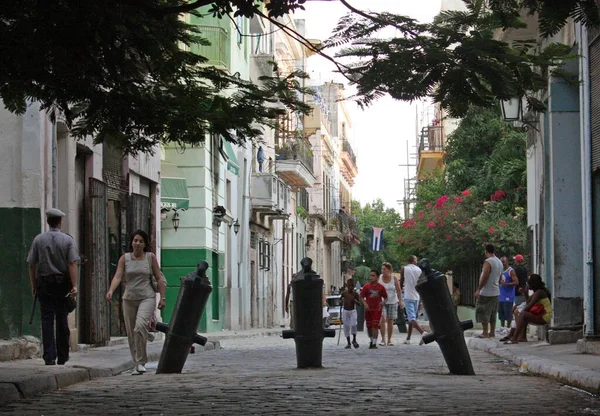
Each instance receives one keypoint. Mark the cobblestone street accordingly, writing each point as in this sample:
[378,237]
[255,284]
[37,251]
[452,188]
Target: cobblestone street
[257,376]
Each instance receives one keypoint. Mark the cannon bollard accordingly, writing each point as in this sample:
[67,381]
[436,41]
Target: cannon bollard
[308,332]
[447,330]
[182,330]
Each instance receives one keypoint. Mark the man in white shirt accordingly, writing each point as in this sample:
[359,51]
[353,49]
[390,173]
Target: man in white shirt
[409,277]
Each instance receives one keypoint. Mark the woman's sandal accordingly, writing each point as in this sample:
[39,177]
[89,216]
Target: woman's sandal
[504,339]
[510,342]
[481,337]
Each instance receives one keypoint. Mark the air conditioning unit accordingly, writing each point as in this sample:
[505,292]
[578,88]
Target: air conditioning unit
[264,192]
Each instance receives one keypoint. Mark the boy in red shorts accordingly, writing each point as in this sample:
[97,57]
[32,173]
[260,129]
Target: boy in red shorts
[373,296]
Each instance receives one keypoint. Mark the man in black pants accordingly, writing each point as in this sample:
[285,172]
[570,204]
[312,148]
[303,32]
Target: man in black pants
[53,277]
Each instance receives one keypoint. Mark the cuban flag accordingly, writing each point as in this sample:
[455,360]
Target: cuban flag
[376,238]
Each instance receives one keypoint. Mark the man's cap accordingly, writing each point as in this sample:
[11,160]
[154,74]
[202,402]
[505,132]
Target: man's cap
[519,258]
[54,213]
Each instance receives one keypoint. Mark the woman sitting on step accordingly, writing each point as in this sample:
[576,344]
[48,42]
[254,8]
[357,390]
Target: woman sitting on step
[538,310]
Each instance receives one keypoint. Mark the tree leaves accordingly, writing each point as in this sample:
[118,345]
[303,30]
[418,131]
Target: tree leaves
[117,69]
[456,60]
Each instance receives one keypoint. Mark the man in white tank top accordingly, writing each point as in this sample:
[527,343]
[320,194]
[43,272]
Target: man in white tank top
[409,277]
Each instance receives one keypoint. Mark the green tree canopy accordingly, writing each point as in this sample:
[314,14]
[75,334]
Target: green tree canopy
[116,70]
[456,60]
[479,198]
[376,214]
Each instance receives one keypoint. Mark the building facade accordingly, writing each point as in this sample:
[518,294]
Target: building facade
[105,195]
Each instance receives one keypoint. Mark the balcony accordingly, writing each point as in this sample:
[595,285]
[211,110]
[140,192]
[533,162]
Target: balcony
[270,195]
[294,162]
[431,151]
[348,168]
[350,228]
[334,227]
[217,53]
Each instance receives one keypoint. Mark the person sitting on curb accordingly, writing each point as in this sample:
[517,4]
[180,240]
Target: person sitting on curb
[538,310]
[517,310]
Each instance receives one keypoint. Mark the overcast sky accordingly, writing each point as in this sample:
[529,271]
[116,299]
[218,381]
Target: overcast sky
[381,132]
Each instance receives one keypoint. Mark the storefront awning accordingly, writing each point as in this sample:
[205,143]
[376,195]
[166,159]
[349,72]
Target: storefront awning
[174,193]
[232,161]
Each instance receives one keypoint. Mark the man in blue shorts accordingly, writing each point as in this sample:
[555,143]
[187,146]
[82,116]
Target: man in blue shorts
[409,277]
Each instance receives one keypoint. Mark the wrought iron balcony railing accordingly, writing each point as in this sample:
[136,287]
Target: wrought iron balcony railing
[296,150]
[431,139]
[347,147]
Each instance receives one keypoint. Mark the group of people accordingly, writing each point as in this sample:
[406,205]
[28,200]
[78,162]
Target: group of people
[508,294]
[53,273]
[381,297]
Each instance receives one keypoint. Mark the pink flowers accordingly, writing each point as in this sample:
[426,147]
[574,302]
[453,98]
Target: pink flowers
[491,229]
[420,215]
[439,203]
[502,223]
[448,237]
[428,205]
[399,240]
[458,200]
[431,224]
[466,192]
[409,223]
[499,195]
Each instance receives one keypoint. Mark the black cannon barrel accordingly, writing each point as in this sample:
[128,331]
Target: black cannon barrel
[447,331]
[308,332]
[182,330]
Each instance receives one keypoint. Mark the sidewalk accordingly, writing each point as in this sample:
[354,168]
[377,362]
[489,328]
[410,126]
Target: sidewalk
[560,362]
[21,379]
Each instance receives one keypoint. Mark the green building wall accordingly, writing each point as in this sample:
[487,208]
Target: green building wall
[177,263]
[19,228]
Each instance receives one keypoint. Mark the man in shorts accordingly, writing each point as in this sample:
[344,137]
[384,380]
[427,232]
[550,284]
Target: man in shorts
[349,315]
[486,305]
[409,277]
[373,296]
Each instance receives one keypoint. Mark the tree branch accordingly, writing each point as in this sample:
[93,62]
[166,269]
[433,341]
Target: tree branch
[304,41]
[184,8]
[377,19]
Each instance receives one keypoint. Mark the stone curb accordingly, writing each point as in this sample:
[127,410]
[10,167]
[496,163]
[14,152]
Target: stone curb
[569,374]
[227,336]
[24,387]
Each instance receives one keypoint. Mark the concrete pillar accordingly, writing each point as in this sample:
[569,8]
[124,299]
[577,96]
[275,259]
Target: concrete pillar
[563,271]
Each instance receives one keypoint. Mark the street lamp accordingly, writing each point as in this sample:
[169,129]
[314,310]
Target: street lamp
[512,109]
[176,221]
[236,226]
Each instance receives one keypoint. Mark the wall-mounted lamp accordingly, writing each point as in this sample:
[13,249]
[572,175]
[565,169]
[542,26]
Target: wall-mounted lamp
[236,226]
[176,221]
[513,111]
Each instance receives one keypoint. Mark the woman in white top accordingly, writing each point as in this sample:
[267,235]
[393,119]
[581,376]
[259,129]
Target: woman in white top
[390,310]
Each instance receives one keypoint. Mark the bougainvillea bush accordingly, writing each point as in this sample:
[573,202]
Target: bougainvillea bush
[479,197]
[453,229]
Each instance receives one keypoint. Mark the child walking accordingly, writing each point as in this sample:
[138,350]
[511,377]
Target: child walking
[373,296]
[349,316]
